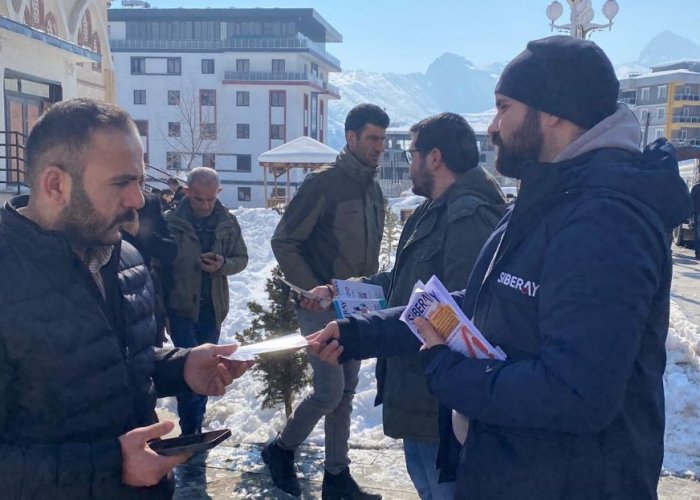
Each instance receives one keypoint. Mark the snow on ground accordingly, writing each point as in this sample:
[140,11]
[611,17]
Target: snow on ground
[240,410]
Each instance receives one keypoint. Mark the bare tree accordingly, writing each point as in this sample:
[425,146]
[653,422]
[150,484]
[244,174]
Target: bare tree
[195,132]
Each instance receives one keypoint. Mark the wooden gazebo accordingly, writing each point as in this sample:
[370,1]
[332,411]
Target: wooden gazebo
[302,152]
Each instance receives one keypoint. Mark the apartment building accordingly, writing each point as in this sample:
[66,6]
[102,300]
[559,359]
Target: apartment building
[50,50]
[218,87]
[667,102]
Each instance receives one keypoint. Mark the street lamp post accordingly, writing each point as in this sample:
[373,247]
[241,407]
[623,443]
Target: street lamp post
[581,17]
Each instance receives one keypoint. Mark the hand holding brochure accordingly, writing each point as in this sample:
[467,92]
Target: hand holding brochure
[249,352]
[434,303]
[354,297]
[323,301]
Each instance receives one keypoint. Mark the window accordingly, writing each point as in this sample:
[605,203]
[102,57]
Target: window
[243,163]
[174,66]
[659,133]
[207,97]
[644,115]
[243,131]
[139,97]
[661,113]
[277,98]
[142,126]
[173,161]
[209,160]
[662,92]
[243,194]
[207,66]
[279,192]
[242,98]
[277,132]
[173,129]
[173,97]
[243,65]
[278,65]
[207,131]
[482,157]
[645,94]
[138,65]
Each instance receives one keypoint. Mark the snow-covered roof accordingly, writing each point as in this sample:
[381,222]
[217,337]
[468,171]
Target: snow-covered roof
[300,150]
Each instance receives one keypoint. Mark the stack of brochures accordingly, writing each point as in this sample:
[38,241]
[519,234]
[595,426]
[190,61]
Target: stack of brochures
[354,297]
[433,302]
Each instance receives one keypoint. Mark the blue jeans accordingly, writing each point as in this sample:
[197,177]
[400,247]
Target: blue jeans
[420,463]
[187,333]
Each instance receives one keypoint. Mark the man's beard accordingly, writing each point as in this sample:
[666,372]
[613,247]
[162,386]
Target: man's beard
[525,145]
[84,226]
[423,181]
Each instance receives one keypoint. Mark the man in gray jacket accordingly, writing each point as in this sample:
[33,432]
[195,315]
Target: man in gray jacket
[332,228]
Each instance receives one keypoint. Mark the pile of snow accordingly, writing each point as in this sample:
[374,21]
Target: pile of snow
[240,410]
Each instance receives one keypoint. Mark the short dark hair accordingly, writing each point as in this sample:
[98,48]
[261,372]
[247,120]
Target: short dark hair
[62,134]
[173,182]
[453,136]
[362,114]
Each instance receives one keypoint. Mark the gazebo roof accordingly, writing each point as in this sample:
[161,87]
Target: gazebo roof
[302,150]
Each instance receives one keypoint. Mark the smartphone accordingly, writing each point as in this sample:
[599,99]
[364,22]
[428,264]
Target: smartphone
[190,443]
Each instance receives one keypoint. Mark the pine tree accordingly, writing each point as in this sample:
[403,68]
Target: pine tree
[392,231]
[285,374]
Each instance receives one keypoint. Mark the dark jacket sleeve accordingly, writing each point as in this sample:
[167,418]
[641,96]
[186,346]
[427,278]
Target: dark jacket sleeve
[296,226]
[596,292]
[169,373]
[382,279]
[379,334]
[236,259]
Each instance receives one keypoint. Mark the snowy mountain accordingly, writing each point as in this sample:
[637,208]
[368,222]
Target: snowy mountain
[668,47]
[451,83]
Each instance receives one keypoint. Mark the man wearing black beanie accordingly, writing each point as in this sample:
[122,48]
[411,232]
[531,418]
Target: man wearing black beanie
[573,285]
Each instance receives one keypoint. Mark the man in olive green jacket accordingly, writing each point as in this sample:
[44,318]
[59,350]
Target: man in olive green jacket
[443,237]
[332,228]
[210,248]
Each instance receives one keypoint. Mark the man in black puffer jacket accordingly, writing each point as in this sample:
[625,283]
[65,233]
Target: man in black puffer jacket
[78,372]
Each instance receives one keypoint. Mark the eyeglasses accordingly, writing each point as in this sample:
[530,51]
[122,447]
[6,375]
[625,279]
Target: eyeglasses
[409,154]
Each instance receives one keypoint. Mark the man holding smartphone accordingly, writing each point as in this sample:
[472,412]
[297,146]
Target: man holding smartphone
[79,375]
[210,248]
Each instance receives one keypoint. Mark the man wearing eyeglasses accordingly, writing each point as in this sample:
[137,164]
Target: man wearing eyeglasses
[443,237]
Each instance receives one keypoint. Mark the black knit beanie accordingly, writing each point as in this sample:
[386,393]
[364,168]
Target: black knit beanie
[565,77]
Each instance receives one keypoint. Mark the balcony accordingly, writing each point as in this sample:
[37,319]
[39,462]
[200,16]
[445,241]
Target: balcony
[300,42]
[686,119]
[265,76]
[632,101]
[691,141]
[687,97]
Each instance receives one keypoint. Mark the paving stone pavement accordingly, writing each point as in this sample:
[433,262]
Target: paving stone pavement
[234,470]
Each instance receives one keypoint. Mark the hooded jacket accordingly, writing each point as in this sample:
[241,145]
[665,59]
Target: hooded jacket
[75,373]
[333,226]
[574,286]
[443,238]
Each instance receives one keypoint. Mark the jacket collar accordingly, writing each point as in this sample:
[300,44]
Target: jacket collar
[352,166]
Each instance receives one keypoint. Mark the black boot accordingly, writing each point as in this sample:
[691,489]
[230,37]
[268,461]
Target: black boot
[281,465]
[343,487]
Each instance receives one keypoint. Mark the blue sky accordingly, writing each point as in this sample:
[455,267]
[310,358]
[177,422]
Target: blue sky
[406,36]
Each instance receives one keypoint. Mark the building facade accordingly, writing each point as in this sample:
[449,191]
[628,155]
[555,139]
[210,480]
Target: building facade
[50,50]
[667,102]
[218,87]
